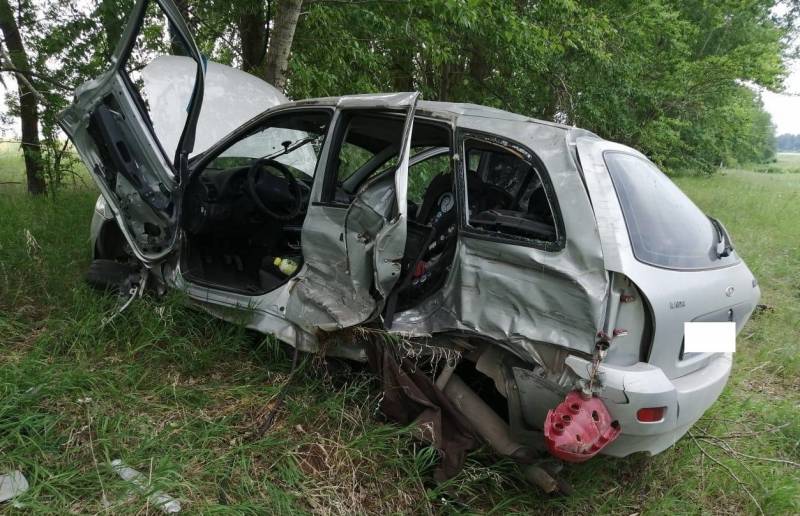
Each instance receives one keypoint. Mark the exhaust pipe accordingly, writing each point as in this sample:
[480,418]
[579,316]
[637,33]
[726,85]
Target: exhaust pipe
[486,422]
[494,430]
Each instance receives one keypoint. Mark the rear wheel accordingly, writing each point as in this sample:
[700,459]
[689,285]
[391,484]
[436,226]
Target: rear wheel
[108,275]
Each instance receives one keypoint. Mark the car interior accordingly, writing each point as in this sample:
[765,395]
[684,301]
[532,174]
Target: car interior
[245,208]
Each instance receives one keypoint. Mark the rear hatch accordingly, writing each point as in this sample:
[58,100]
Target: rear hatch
[681,260]
[721,295]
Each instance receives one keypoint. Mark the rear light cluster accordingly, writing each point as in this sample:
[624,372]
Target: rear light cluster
[651,414]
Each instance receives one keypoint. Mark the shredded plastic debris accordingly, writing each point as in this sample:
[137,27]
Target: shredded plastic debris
[161,500]
[12,484]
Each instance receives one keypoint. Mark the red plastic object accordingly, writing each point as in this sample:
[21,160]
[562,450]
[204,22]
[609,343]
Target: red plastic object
[578,428]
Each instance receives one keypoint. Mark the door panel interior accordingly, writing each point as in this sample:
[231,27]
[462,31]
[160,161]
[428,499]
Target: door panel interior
[111,127]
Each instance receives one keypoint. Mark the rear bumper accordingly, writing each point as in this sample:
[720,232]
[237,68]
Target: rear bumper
[628,389]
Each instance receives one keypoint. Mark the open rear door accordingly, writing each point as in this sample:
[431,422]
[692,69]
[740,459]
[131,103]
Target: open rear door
[380,212]
[353,253]
[137,167]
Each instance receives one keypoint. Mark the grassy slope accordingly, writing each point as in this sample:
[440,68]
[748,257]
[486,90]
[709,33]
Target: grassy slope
[176,394]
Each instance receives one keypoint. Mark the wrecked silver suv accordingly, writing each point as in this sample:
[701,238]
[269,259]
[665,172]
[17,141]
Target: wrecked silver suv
[559,265]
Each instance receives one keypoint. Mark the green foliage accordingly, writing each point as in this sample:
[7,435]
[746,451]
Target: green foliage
[784,163]
[666,77]
[673,78]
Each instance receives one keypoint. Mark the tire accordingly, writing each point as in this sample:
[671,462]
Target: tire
[108,275]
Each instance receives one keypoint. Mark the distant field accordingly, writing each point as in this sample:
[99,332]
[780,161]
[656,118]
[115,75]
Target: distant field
[12,177]
[176,394]
[10,164]
[788,162]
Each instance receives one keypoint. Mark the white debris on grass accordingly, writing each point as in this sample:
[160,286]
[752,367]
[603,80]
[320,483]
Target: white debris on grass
[12,484]
[161,500]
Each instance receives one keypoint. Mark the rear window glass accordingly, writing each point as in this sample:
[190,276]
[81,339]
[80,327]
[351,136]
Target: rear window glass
[665,227]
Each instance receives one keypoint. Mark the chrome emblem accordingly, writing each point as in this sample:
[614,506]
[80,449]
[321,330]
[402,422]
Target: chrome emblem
[729,291]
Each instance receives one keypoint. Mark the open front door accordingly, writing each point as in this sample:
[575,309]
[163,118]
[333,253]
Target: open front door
[138,167]
[353,244]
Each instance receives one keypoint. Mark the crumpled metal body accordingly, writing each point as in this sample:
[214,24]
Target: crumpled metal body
[526,298]
[517,294]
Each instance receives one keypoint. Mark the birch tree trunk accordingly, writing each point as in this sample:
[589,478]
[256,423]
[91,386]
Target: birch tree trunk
[280,41]
[29,112]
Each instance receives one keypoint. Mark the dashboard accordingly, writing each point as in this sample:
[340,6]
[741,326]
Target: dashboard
[220,199]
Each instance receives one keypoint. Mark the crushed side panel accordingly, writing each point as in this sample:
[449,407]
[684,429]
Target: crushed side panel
[519,295]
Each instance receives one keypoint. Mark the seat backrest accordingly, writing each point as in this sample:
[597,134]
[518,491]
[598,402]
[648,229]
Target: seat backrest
[538,206]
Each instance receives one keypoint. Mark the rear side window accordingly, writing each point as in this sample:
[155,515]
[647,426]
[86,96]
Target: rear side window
[665,227]
[506,194]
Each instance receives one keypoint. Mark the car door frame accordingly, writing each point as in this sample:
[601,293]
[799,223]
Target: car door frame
[200,162]
[131,127]
[352,252]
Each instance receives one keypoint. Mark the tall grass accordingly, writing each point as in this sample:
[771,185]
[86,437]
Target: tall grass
[177,395]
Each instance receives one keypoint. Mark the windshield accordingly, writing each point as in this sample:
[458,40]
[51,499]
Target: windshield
[296,149]
[292,139]
[666,228]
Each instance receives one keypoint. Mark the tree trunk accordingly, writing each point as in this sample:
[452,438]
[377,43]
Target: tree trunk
[29,113]
[280,41]
[402,69]
[252,25]
[444,82]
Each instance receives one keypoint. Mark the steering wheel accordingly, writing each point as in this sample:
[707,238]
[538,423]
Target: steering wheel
[294,189]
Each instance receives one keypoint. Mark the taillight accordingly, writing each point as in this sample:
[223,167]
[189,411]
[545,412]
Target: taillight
[650,414]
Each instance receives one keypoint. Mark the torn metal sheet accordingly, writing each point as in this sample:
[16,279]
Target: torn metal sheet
[410,396]
[521,295]
[12,484]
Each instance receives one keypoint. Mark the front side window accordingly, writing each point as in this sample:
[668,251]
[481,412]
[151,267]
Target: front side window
[506,194]
[665,227]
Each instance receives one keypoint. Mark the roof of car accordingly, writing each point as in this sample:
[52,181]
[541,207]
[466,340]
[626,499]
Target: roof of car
[448,108]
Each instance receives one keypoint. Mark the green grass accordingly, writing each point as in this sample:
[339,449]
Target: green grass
[176,394]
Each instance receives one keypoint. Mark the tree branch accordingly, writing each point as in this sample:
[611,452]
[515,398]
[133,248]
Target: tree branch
[729,471]
[5,62]
[41,77]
